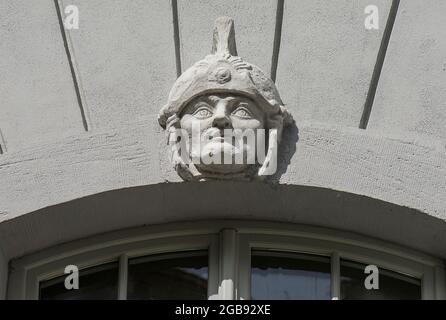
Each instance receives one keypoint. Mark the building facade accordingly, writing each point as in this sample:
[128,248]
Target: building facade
[86,171]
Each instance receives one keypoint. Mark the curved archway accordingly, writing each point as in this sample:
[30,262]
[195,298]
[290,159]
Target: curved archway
[168,203]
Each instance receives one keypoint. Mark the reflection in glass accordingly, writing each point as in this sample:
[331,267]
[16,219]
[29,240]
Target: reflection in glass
[171,276]
[391,285]
[97,283]
[289,276]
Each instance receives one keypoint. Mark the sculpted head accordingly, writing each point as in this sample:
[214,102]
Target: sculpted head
[216,116]
[224,117]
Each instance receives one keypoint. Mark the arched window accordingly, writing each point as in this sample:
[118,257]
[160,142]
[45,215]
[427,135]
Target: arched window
[228,260]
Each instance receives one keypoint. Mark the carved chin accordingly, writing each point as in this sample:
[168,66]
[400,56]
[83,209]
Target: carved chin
[219,151]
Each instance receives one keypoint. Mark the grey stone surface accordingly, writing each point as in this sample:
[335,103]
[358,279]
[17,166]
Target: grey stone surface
[125,58]
[411,95]
[254,26]
[37,95]
[327,58]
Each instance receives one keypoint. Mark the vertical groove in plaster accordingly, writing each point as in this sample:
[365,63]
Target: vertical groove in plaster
[379,65]
[2,143]
[176,36]
[73,68]
[277,38]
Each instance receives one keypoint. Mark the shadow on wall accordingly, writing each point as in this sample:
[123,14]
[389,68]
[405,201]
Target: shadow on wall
[287,149]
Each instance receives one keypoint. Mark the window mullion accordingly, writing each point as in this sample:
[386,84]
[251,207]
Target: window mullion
[440,283]
[214,269]
[244,282]
[123,277]
[428,284]
[228,264]
[335,276]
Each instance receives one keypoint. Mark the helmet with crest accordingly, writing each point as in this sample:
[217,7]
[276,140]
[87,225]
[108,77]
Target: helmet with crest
[223,71]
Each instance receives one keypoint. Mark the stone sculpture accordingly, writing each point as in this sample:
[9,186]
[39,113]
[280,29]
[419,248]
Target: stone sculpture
[219,96]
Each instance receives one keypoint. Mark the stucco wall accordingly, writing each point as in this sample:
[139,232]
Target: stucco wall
[78,108]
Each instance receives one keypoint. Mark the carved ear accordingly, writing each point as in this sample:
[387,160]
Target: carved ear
[162,120]
[224,37]
[269,167]
[162,117]
[287,117]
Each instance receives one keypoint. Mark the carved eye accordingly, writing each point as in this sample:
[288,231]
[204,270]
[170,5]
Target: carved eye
[203,112]
[242,112]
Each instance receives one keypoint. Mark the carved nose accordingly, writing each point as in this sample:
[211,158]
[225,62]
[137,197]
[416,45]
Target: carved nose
[222,122]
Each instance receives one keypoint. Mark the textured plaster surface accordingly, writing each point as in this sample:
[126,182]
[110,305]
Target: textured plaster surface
[403,171]
[327,58]
[411,95]
[254,27]
[37,95]
[125,58]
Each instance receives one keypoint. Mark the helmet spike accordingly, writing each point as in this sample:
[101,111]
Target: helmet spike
[224,37]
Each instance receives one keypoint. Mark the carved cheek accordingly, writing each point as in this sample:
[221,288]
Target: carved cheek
[247,123]
[188,122]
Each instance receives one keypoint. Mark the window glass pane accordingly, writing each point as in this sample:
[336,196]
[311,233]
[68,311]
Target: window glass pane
[289,276]
[171,276]
[97,283]
[391,285]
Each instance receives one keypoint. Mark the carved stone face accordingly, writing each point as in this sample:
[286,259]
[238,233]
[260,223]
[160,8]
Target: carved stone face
[216,115]
[224,116]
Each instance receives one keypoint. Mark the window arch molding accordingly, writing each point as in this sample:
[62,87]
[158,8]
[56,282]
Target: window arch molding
[230,245]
